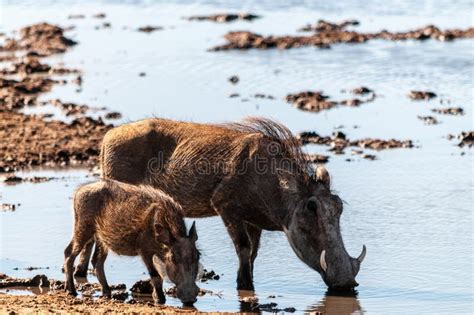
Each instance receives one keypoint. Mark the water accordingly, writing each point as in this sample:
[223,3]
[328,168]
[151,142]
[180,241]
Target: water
[412,208]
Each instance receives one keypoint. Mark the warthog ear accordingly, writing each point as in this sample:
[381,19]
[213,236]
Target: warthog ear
[192,232]
[162,235]
[322,176]
[287,181]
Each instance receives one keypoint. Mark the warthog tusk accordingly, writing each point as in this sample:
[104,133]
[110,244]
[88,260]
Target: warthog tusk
[362,254]
[322,261]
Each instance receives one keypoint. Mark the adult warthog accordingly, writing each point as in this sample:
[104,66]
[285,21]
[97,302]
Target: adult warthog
[253,174]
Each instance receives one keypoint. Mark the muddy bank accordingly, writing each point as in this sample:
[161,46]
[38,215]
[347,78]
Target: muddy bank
[33,141]
[224,17]
[42,39]
[331,33]
[316,101]
[338,142]
[61,303]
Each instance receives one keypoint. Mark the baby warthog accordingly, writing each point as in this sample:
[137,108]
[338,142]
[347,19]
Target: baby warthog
[134,220]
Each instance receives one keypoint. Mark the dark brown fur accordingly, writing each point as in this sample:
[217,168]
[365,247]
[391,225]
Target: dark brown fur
[134,221]
[170,155]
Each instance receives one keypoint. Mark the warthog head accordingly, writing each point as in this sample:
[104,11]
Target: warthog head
[181,262]
[314,233]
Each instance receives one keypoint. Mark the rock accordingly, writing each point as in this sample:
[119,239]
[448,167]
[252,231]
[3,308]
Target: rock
[209,275]
[316,101]
[421,95]
[120,296]
[99,16]
[234,79]
[264,96]
[113,115]
[76,16]
[325,26]
[466,139]
[449,111]
[318,158]
[224,17]
[142,287]
[428,120]
[7,207]
[149,29]
[361,90]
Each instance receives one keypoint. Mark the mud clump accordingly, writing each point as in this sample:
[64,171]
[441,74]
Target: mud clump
[7,207]
[317,158]
[36,281]
[70,109]
[224,17]
[27,66]
[120,296]
[449,111]
[76,16]
[209,275]
[316,101]
[99,16]
[466,138]
[34,141]
[142,287]
[234,79]
[113,115]
[338,142]
[421,95]
[264,96]
[251,305]
[331,34]
[325,26]
[428,120]
[149,29]
[362,90]
[17,94]
[42,39]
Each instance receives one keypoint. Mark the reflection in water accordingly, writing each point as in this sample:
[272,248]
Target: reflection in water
[247,301]
[335,303]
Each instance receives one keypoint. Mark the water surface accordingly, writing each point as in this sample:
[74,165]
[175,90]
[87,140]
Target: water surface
[411,207]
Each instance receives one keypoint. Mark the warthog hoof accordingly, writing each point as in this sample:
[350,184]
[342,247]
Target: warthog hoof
[70,292]
[159,298]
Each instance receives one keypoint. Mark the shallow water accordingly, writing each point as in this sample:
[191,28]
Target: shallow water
[411,207]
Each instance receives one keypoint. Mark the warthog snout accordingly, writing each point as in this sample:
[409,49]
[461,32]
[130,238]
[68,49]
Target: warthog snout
[339,276]
[188,294]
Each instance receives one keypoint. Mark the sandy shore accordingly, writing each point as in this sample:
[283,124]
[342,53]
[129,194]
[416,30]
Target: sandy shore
[61,303]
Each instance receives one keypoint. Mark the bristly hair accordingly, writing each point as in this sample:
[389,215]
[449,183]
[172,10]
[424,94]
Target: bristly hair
[278,133]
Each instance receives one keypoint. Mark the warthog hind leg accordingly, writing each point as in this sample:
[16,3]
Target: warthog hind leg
[83,265]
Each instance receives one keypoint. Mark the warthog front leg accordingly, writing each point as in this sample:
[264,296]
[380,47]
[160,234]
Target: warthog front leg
[243,248]
[254,234]
[101,255]
[156,280]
